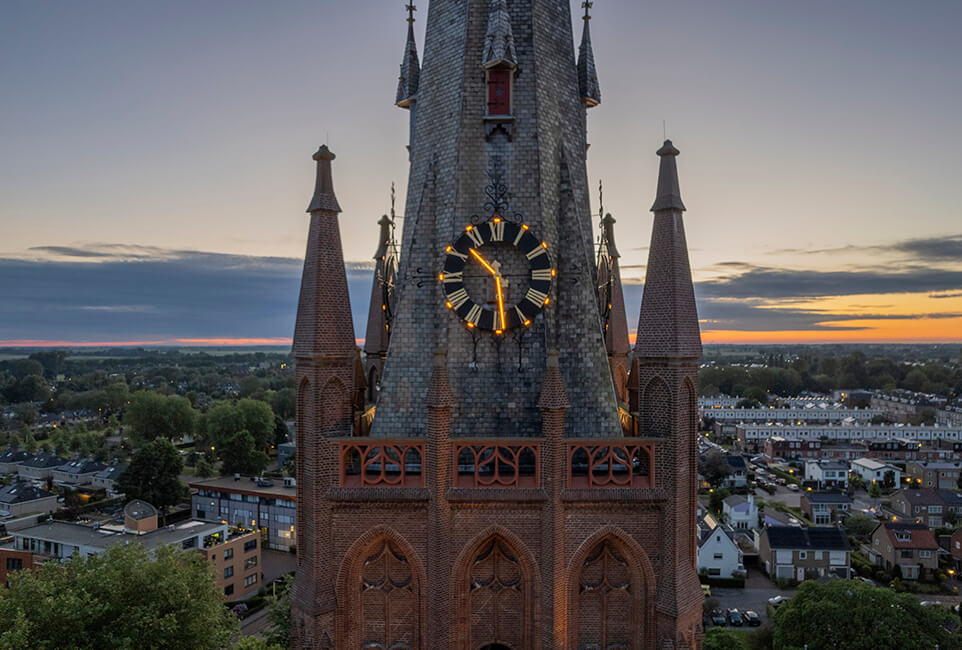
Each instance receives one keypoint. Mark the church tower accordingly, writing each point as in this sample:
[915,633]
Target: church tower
[501,499]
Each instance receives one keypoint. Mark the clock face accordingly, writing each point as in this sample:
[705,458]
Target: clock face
[497,276]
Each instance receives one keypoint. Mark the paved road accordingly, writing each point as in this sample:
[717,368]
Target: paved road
[745,599]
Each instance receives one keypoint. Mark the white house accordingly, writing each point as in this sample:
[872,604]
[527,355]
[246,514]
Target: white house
[718,554]
[872,470]
[827,473]
[740,512]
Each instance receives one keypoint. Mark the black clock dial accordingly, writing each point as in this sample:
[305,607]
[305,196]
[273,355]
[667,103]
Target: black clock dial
[497,276]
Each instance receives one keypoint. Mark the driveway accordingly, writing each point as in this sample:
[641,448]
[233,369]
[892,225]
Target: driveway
[748,598]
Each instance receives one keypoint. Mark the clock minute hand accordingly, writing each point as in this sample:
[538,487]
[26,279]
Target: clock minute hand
[484,263]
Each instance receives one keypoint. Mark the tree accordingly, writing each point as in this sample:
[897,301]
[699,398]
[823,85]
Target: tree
[281,434]
[858,616]
[239,455]
[124,598]
[31,388]
[203,467]
[151,415]
[716,499]
[116,396]
[714,466]
[860,525]
[717,638]
[225,419]
[888,480]
[279,613]
[874,490]
[153,475]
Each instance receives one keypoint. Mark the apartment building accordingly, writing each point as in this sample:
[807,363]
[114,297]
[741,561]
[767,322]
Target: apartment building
[264,505]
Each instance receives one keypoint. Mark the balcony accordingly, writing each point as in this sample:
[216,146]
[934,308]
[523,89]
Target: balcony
[489,464]
[381,463]
[610,464]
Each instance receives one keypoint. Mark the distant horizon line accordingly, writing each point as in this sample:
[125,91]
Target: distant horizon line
[763,338]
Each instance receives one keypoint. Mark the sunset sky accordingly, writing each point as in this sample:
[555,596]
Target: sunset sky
[156,160]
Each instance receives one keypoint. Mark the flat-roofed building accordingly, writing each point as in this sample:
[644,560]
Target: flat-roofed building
[265,505]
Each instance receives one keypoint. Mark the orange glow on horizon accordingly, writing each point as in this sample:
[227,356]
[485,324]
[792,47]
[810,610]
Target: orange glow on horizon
[219,342]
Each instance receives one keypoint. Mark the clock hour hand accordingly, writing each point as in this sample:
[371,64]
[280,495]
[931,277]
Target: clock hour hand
[497,280]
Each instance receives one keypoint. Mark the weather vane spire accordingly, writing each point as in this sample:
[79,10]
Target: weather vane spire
[587,4]
[601,198]
[411,8]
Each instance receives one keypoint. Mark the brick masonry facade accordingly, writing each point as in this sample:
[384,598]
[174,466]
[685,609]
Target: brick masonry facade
[568,557]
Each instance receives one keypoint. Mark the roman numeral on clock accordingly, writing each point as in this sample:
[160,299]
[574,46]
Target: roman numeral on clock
[475,236]
[458,298]
[535,297]
[535,252]
[537,274]
[473,315]
[497,231]
[457,276]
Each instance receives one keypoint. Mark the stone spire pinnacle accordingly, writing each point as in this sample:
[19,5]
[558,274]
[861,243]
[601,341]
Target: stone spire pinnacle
[587,74]
[616,328]
[324,198]
[324,326]
[410,77]
[669,194]
[668,322]
[385,269]
[499,42]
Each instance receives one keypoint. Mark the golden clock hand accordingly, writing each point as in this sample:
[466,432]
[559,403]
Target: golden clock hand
[497,280]
[478,257]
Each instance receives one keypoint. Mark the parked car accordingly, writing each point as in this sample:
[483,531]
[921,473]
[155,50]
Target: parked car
[718,617]
[782,481]
[778,600]
[752,618]
[793,487]
[735,618]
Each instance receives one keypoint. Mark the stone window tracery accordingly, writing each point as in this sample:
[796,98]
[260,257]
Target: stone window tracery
[389,596]
[605,600]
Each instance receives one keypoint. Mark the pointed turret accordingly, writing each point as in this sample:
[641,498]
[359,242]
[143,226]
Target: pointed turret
[612,303]
[668,322]
[328,385]
[380,307]
[410,77]
[499,42]
[587,75]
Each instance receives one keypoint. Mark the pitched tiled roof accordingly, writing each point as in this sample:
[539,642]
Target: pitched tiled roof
[817,538]
[44,460]
[910,535]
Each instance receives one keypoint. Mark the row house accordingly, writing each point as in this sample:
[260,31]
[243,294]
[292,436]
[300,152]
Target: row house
[934,508]
[41,467]
[910,547]
[792,416]
[799,553]
[778,447]
[21,498]
[825,508]
[939,475]
[873,471]
[718,554]
[753,436]
[827,473]
[11,459]
[79,471]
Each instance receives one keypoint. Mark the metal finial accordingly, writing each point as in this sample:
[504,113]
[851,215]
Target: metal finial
[601,199]
[587,4]
[392,200]
[411,9]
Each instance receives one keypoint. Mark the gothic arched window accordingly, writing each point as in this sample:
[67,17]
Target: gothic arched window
[389,600]
[607,612]
[497,595]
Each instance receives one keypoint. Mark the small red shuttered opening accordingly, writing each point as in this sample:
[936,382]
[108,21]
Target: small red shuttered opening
[499,92]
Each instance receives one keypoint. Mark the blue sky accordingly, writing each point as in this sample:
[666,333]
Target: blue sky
[821,150]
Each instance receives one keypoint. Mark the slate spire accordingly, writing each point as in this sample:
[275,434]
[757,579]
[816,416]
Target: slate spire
[587,74]
[410,77]
[324,325]
[668,322]
[324,198]
[499,42]
[616,334]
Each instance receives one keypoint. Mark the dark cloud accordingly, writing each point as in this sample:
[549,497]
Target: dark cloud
[172,294]
[775,283]
[956,294]
[923,249]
